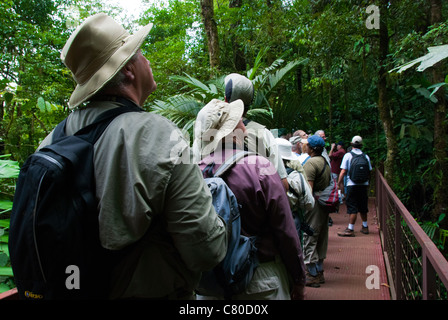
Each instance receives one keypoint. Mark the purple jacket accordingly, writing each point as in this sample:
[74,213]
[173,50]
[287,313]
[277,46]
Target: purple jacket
[264,209]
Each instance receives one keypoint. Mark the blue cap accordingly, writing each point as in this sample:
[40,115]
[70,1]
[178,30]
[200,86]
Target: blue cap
[316,141]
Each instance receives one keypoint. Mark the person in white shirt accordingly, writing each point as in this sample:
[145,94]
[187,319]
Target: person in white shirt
[357,193]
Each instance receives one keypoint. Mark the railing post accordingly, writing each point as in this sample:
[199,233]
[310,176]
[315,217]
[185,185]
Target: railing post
[383,211]
[398,256]
[429,278]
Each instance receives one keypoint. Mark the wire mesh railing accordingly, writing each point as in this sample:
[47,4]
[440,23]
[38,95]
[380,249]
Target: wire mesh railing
[416,268]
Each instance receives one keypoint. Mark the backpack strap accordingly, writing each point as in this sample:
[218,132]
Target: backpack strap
[302,184]
[93,131]
[355,155]
[307,158]
[323,170]
[231,161]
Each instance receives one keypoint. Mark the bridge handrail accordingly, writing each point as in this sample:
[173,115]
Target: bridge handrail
[433,262]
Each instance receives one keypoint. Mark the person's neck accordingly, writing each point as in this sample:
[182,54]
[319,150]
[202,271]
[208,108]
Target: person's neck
[125,92]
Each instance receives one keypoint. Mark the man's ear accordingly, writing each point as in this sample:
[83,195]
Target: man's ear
[129,71]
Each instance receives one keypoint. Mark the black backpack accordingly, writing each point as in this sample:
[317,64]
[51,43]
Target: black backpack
[54,241]
[359,171]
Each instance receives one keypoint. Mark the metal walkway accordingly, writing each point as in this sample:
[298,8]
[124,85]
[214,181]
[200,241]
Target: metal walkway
[354,268]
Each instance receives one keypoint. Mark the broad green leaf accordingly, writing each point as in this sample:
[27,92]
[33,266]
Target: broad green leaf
[4,245]
[4,287]
[6,272]
[41,104]
[9,170]
[3,259]
[4,223]
[5,205]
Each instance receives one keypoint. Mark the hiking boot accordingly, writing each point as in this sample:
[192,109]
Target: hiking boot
[346,233]
[312,281]
[320,276]
[365,230]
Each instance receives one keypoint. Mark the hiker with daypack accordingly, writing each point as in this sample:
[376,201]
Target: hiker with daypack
[155,214]
[263,204]
[318,173]
[356,165]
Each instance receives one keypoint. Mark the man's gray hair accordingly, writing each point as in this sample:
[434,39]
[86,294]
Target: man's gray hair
[117,80]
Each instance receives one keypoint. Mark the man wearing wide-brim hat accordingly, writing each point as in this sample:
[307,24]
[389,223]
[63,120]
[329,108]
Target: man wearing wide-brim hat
[263,204]
[144,179]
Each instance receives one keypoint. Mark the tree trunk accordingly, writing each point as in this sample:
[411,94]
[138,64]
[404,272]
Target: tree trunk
[211,30]
[440,128]
[384,109]
[239,60]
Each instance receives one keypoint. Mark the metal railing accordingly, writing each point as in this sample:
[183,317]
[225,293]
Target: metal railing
[416,268]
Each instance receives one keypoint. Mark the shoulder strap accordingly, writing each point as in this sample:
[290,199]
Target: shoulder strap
[231,161]
[93,131]
[289,170]
[356,154]
[325,166]
[302,186]
[307,158]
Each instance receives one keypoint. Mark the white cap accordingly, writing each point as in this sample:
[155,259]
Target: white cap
[357,140]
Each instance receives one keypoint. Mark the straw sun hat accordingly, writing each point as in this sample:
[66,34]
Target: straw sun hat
[96,51]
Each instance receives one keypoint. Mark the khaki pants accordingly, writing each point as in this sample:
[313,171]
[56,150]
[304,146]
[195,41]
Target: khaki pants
[270,282]
[315,246]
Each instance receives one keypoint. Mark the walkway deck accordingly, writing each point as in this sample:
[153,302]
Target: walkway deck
[347,261]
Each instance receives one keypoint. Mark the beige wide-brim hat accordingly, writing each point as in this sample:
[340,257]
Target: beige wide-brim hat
[215,121]
[96,51]
[285,149]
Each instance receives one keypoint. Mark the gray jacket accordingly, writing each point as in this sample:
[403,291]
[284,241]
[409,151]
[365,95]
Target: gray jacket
[145,180]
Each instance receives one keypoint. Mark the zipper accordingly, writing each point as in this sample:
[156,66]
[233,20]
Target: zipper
[52,160]
[34,223]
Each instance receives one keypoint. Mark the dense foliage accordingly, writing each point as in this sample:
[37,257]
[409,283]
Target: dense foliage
[315,65]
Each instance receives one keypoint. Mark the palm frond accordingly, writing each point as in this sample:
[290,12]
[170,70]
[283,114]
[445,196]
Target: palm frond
[178,108]
[193,83]
[289,113]
[263,116]
[277,77]
[253,71]
[213,89]
[181,109]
